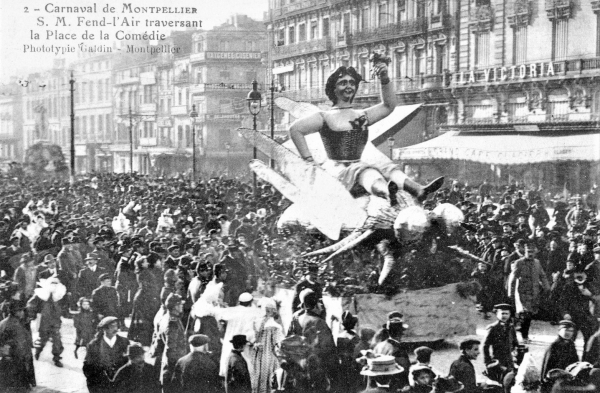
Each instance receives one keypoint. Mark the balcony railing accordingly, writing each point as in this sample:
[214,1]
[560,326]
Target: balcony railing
[550,4]
[440,21]
[301,48]
[519,12]
[401,85]
[182,78]
[545,118]
[148,141]
[203,87]
[179,110]
[595,5]
[127,79]
[344,39]
[124,110]
[481,14]
[390,31]
[150,107]
[556,9]
[299,6]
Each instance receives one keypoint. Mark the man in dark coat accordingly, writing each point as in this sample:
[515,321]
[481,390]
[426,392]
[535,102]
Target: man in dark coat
[136,376]
[501,339]
[197,369]
[171,337]
[309,323]
[560,353]
[309,281]
[88,276]
[238,379]
[173,259]
[47,302]
[105,299]
[49,269]
[125,280]
[13,332]
[394,346]
[105,356]
[462,369]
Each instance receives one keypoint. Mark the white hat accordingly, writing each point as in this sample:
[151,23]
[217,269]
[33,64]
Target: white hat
[267,302]
[245,297]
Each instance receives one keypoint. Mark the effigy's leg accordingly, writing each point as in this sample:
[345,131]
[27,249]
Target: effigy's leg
[374,182]
[415,189]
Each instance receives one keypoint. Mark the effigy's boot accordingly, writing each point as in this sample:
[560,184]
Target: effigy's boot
[421,192]
[386,191]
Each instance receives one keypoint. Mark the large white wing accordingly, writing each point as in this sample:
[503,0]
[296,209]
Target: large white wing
[325,200]
[296,109]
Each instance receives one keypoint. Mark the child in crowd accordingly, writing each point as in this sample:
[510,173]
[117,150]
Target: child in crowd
[85,324]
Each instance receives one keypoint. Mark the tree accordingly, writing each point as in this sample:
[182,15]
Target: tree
[43,159]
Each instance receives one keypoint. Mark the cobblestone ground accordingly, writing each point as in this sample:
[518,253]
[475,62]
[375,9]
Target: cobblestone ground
[70,378]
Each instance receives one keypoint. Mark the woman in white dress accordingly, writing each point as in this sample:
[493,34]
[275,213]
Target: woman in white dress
[268,335]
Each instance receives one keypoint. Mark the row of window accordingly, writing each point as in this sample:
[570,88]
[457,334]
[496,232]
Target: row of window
[51,107]
[226,45]
[367,18]
[93,127]
[93,91]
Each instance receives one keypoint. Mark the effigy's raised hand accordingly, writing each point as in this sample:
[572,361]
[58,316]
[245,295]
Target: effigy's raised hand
[379,65]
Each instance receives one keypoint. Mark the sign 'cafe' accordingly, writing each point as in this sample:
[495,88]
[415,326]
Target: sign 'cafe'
[503,74]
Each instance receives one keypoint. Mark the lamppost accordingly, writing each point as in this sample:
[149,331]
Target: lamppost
[272,161]
[228,147]
[254,103]
[391,146]
[193,117]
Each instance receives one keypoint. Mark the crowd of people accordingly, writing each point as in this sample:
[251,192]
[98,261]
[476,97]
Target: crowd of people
[160,279]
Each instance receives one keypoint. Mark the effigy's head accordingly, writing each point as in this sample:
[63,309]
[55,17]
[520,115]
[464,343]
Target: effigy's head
[411,223]
[451,215]
[344,80]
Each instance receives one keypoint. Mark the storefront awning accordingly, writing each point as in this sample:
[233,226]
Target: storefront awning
[505,149]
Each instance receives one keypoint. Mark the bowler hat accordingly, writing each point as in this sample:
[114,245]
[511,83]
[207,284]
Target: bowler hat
[238,339]
[135,350]
[416,370]
[448,385]
[197,340]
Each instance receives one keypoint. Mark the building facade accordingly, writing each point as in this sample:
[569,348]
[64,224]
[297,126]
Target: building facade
[479,66]
[11,123]
[45,100]
[94,115]
[223,64]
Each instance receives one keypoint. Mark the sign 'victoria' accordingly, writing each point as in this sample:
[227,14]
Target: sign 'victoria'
[501,74]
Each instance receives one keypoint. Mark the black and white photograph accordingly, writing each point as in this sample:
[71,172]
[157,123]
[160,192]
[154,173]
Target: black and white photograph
[303,196]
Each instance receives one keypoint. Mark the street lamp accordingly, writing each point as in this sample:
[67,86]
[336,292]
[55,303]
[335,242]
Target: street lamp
[193,117]
[272,161]
[228,147]
[254,103]
[391,146]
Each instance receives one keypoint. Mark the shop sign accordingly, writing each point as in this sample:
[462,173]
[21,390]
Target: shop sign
[502,74]
[233,55]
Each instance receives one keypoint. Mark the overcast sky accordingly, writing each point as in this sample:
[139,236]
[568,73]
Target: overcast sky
[16,25]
